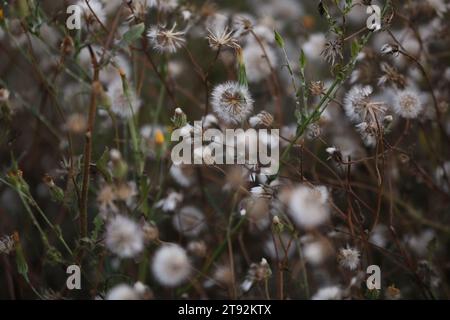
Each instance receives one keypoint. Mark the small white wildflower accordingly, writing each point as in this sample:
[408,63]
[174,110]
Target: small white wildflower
[122,292]
[232,102]
[123,104]
[308,207]
[408,104]
[124,237]
[328,293]
[189,221]
[171,265]
[166,40]
[349,258]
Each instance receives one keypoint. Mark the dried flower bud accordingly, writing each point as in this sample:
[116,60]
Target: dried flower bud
[56,192]
[4,95]
[393,293]
[316,88]
[67,45]
[179,119]
[7,244]
[262,119]
[151,232]
[197,248]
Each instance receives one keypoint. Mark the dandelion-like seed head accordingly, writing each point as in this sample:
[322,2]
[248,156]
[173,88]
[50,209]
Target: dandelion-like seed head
[308,206]
[219,38]
[328,293]
[257,61]
[123,104]
[165,40]
[408,104]
[232,102]
[332,51]
[189,221]
[359,107]
[171,265]
[349,258]
[122,292]
[124,237]
[92,13]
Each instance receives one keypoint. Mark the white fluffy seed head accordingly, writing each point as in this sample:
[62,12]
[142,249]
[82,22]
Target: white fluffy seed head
[314,46]
[189,221]
[123,104]
[328,293]
[92,13]
[359,107]
[315,252]
[308,206]
[124,237]
[163,5]
[165,40]
[171,265]
[122,292]
[232,102]
[256,63]
[408,104]
[349,258]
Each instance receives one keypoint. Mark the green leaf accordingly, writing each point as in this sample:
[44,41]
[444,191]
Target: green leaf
[98,224]
[355,48]
[242,75]
[279,39]
[22,266]
[302,59]
[102,165]
[133,34]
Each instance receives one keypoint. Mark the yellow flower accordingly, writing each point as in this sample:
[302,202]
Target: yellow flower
[159,137]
